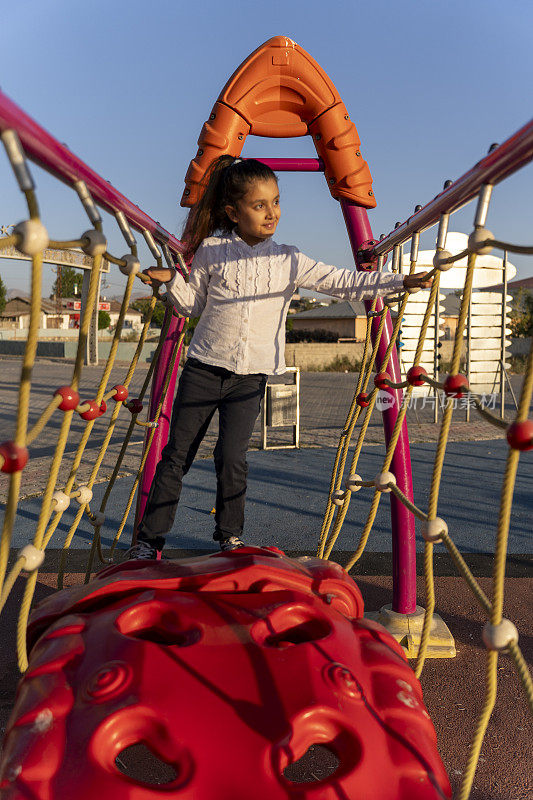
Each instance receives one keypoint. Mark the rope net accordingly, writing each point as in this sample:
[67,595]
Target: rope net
[499,634]
[31,238]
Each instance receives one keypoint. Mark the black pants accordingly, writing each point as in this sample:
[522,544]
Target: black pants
[202,390]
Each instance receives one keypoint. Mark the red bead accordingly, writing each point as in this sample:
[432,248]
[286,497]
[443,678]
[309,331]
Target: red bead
[134,406]
[414,376]
[92,412]
[70,397]
[15,457]
[520,435]
[121,393]
[455,385]
[362,399]
[380,379]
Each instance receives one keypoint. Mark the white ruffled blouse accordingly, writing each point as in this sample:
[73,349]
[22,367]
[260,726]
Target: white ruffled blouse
[242,296]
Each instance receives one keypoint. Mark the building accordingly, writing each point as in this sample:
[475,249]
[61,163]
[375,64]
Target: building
[347,319]
[16,314]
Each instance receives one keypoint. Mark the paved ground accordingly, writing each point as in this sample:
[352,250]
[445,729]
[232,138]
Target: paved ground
[325,400]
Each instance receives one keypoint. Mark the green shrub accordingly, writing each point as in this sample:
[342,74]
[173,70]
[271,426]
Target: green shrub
[341,364]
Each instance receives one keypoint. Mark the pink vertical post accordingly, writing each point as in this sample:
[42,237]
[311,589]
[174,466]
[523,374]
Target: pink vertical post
[402,520]
[161,435]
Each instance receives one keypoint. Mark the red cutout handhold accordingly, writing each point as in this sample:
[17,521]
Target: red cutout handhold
[456,385]
[15,457]
[520,435]
[414,376]
[70,397]
[121,393]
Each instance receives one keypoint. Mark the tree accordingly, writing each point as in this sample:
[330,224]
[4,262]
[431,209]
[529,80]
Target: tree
[143,305]
[67,279]
[2,295]
[521,322]
[104,320]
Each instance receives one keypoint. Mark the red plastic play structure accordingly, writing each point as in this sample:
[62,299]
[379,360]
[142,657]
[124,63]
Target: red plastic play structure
[227,668]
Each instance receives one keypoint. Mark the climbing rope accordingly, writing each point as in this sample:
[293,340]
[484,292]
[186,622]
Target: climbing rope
[31,238]
[499,634]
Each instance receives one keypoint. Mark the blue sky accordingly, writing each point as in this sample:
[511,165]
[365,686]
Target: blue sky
[128,85]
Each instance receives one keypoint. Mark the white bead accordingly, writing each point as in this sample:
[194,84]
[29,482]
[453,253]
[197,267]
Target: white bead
[337,498]
[353,483]
[382,479]
[499,637]
[97,244]
[33,557]
[439,260]
[476,239]
[32,237]
[432,529]
[84,495]
[132,265]
[61,500]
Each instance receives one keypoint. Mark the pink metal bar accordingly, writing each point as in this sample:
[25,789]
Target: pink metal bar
[57,159]
[402,520]
[161,435]
[509,157]
[293,164]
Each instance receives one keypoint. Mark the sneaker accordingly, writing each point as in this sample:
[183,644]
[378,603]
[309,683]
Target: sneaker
[144,551]
[231,543]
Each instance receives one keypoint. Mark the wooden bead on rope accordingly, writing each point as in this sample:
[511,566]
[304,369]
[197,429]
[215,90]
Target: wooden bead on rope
[70,398]
[15,457]
[520,435]
[456,385]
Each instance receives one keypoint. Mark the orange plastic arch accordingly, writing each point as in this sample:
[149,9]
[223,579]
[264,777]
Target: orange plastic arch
[280,91]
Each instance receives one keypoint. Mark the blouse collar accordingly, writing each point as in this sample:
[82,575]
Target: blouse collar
[257,249]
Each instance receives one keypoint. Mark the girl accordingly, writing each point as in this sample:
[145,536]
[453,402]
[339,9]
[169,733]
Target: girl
[241,283]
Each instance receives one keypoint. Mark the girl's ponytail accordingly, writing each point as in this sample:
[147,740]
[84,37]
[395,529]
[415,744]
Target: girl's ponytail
[228,180]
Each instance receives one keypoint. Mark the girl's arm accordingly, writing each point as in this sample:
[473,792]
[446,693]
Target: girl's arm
[350,284]
[188,298]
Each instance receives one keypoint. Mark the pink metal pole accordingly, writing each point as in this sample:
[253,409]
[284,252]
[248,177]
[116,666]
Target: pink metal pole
[57,159]
[402,520]
[161,435]
[293,164]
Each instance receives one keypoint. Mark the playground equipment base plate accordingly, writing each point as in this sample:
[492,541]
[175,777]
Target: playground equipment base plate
[407,630]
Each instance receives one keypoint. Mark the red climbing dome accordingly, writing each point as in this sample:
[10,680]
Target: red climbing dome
[227,668]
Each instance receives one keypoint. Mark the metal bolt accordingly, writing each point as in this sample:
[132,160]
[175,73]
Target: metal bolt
[346,116]
[381,237]
[397,225]
[417,209]
[371,193]
[318,137]
[241,136]
[493,146]
[212,116]
[187,191]
[447,184]
[200,152]
[331,181]
[358,154]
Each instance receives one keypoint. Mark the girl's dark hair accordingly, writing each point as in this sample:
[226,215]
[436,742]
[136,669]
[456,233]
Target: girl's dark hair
[228,181]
